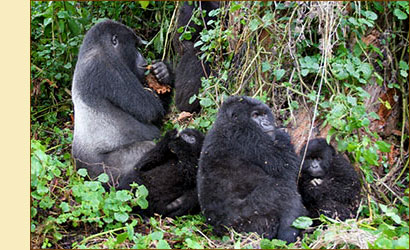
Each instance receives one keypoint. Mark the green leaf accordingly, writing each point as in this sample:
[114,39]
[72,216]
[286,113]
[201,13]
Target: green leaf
[206,102]
[279,73]
[121,238]
[370,15]
[254,24]
[214,12]
[402,242]
[103,178]
[400,14]
[366,68]
[383,146]
[68,65]
[142,191]
[142,202]
[266,244]
[82,172]
[162,244]
[403,65]
[193,244]
[352,100]
[234,7]
[353,21]
[204,123]
[64,207]
[199,43]
[181,29]
[266,67]
[187,36]
[74,27]
[365,21]
[157,235]
[304,72]
[383,243]
[371,157]
[121,217]
[302,222]
[365,122]
[123,195]
[272,244]
[144,4]
[404,5]
[378,6]
[192,99]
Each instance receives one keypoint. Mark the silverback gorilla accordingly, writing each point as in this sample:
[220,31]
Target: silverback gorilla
[328,184]
[116,119]
[247,173]
[169,173]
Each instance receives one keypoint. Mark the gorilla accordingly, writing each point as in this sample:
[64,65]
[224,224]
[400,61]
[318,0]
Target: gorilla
[328,183]
[247,173]
[190,69]
[115,118]
[169,171]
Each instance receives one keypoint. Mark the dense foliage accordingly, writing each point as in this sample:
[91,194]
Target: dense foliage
[340,68]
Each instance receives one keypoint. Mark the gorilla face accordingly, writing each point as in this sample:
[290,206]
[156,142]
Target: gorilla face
[241,110]
[188,138]
[316,167]
[318,158]
[261,118]
[128,45]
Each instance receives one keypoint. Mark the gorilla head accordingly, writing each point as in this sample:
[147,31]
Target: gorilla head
[119,41]
[115,118]
[247,172]
[239,110]
[318,158]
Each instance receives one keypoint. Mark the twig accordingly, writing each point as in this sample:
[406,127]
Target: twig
[169,29]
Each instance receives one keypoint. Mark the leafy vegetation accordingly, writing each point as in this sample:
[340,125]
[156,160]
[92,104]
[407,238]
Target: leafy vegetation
[337,67]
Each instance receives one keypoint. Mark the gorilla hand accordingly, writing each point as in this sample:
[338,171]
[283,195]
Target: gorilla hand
[161,72]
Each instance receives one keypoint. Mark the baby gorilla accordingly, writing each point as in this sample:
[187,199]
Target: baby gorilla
[169,171]
[328,184]
[247,173]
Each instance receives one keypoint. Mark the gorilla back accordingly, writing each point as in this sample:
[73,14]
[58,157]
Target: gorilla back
[114,114]
[247,173]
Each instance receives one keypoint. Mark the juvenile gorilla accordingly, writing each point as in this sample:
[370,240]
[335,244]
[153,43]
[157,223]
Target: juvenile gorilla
[115,119]
[328,184]
[190,69]
[247,173]
[169,171]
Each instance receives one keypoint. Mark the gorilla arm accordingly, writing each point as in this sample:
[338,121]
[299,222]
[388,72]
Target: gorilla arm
[158,155]
[126,91]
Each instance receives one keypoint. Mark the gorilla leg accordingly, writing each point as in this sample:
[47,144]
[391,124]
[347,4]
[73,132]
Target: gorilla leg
[286,231]
[186,204]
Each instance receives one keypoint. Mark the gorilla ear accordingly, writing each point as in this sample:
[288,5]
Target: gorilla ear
[232,114]
[114,40]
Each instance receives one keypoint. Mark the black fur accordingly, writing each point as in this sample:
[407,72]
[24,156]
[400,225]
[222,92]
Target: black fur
[116,119]
[190,69]
[328,184]
[247,174]
[169,171]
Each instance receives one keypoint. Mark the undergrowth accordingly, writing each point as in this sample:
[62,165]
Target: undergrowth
[333,69]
